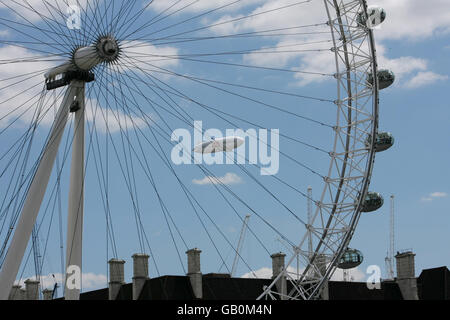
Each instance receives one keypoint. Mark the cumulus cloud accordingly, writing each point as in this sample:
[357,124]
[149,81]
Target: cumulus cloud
[89,281]
[112,121]
[411,72]
[414,19]
[439,195]
[200,6]
[433,196]
[266,273]
[401,66]
[19,94]
[263,273]
[94,281]
[425,78]
[143,55]
[407,19]
[354,275]
[35,10]
[14,92]
[228,179]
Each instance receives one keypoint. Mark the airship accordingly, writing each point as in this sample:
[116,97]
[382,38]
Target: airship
[219,145]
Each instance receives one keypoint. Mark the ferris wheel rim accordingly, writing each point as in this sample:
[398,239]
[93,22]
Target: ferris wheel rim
[332,266]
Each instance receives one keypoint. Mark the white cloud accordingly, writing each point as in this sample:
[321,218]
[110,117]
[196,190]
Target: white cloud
[146,56]
[413,19]
[266,273]
[33,10]
[439,195]
[425,78]
[14,92]
[433,196]
[263,273]
[400,66]
[12,97]
[94,281]
[112,121]
[354,275]
[228,179]
[200,6]
[407,19]
[89,281]
[410,72]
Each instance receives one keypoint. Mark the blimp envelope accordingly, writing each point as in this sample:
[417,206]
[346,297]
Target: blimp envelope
[219,145]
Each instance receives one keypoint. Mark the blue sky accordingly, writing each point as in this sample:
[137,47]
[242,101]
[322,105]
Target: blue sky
[414,42]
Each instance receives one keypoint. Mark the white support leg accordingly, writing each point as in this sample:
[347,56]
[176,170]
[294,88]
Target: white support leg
[34,198]
[76,203]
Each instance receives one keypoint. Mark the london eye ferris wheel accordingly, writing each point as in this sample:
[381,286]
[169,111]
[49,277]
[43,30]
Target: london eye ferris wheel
[94,94]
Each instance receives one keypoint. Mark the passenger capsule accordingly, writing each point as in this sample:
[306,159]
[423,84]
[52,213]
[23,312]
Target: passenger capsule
[373,202]
[383,141]
[375,16]
[385,79]
[351,258]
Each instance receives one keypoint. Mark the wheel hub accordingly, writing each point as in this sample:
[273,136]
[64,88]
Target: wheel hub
[107,49]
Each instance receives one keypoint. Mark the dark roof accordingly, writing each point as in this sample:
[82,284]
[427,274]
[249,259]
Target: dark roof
[360,291]
[217,275]
[434,284]
[102,294]
[226,288]
[220,288]
[125,292]
[167,288]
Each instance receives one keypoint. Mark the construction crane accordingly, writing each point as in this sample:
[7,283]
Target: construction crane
[309,209]
[309,212]
[240,244]
[389,260]
[55,288]
[292,250]
[36,253]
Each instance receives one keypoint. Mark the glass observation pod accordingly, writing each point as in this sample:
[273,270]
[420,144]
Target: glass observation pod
[351,258]
[376,16]
[373,202]
[383,141]
[385,78]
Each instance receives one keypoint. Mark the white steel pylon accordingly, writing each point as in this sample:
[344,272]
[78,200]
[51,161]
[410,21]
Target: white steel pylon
[35,194]
[76,202]
[74,73]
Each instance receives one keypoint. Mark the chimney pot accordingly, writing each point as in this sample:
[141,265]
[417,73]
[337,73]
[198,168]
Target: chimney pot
[17,293]
[116,277]
[406,275]
[194,272]
[140,273]
[48,294]
[32,289]
[278,265]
